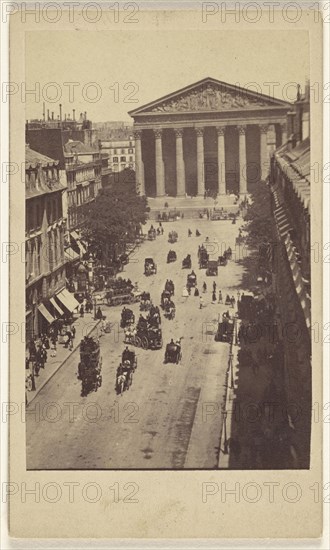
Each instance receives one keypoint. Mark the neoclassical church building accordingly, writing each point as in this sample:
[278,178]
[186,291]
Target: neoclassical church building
[207,136]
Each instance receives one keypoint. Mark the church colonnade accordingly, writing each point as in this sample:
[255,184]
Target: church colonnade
[178,134]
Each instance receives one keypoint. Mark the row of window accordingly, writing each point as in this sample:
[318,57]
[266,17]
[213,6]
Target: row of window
[35,211]
[123,151]
[50,252]
[122,159]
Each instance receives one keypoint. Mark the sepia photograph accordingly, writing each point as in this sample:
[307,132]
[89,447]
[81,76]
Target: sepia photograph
[167,253]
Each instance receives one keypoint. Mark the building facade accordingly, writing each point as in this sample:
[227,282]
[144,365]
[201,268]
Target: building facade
[208,136]
[45,263]
[121,152]
[82,166]
[290,178]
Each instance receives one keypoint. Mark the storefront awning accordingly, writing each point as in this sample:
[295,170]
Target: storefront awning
[56,306]
[71,255]
[68,300]
[46,314]
[81,248]
[282,222]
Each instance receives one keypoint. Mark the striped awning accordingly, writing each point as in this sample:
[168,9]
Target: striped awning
[46,314]
[71,255]
[68,300]
[282,222]
[298,280]
[56,306]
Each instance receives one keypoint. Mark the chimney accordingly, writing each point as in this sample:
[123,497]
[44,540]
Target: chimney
[43,112]
[85,115]
[47,114]
[52,115]
[61,112]
[73,114]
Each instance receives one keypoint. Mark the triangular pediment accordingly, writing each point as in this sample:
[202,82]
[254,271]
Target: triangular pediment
[209,95]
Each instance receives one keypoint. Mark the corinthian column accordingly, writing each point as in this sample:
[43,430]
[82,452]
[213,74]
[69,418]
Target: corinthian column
[139,167]
[200,162]
[264,157]
[221,161]
[242,160]
[160,181]
[180,173]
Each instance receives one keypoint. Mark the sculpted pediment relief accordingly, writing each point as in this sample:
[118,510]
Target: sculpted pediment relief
[209,98]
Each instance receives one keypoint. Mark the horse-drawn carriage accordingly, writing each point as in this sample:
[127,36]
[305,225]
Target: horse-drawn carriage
[171,256]
[149,338]
[153,318]
[121,291]
[228,253]
[151,234]
[212,268]
[150,268]
[169,309]
[173,352]
[169,286]
[145,302]
[172,237]
[186,262]
[124,376]
[203,257]
[191,280]
[225,330]
[90,366]
[165,298]
[127,318]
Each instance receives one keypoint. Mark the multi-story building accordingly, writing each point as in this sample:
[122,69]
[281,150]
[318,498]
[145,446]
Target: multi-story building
[82,167]
[120,147]
[45,260]
[290,186]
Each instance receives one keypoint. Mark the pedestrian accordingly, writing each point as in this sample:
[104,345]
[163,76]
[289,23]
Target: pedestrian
[73,332]
[201,302]
[238,295]
[82,311]
[214,286]
[232,301]
[196,293]
[204,287]
[214,297]
[220,297]
[53,346]
[189,290]
[69,338]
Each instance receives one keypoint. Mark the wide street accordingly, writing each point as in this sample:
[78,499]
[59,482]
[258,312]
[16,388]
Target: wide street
[171,416]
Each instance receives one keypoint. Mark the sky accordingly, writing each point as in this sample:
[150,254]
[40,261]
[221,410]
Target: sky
[108,74]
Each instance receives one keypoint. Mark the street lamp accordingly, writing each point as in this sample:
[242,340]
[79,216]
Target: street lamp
[96,297]
[235,325]
[231,370]
[225,443]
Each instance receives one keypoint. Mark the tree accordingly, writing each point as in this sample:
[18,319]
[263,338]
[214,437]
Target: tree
[114,219]
[259,216]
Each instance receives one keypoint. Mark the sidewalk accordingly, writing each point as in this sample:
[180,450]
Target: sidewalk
[256,432]
[84,326]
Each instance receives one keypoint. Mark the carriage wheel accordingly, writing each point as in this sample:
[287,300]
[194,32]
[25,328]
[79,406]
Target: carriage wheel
[144,342]
[137,341]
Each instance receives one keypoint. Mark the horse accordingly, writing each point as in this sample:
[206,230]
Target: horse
[121,382]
